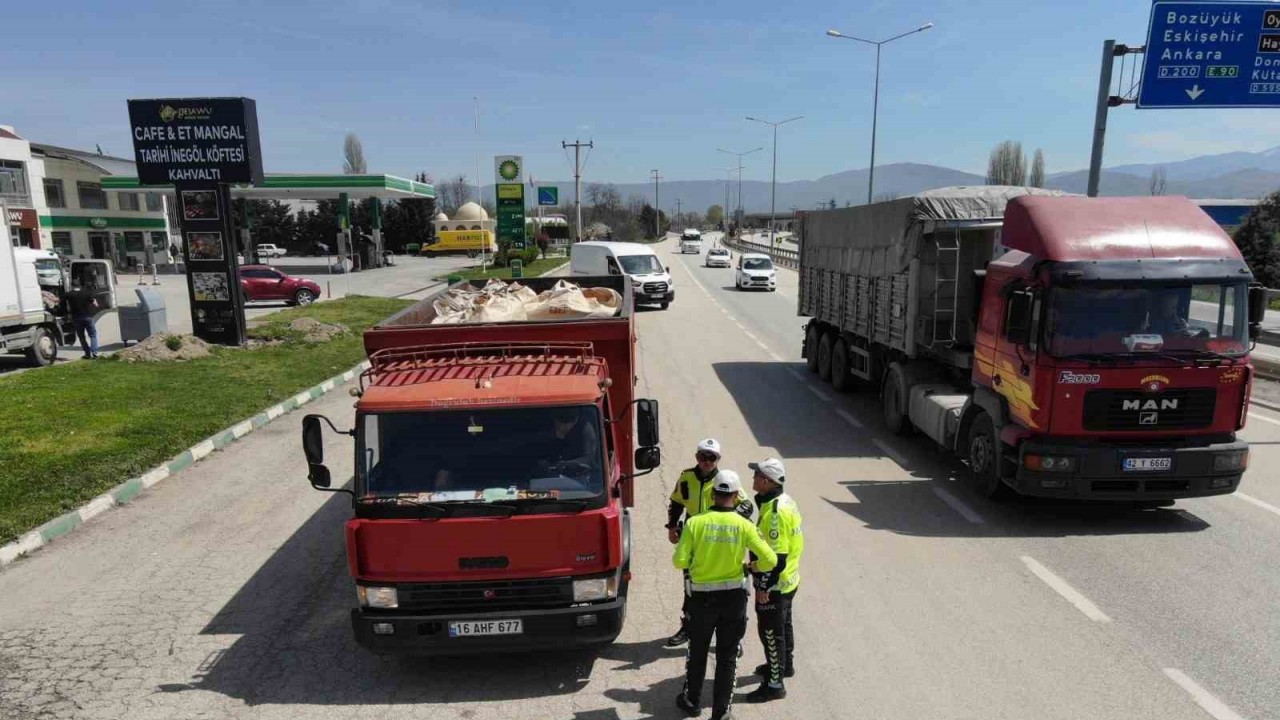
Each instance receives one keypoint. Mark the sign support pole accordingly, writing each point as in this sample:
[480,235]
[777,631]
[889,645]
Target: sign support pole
[1106,101]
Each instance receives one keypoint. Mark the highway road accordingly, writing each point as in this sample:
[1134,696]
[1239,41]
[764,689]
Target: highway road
[223,592]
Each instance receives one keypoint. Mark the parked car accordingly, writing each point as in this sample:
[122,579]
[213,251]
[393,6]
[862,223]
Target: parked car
[263,283]
[718,257]
[268,250]
[756,271]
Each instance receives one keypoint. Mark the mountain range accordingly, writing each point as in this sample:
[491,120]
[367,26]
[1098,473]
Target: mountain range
[1227,175]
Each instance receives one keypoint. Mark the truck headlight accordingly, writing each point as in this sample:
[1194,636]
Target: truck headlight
[1049,463]
[1231,461]
[383,598]
[595,588]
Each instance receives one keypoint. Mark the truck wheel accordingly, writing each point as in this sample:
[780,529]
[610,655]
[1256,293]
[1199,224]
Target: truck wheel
[44,348]
[824,356]
[984,458]
[841,380]
[893,401]
[811,337]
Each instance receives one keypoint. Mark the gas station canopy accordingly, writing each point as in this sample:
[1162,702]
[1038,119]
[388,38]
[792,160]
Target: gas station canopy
[277,186]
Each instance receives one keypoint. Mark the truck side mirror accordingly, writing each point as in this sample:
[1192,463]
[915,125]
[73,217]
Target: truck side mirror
[647,423]
[1258,299]
[319,476]
[313,439]
[1018,320]
[648,458]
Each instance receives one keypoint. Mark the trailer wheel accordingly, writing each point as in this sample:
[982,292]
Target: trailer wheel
[984,458]
[841,379]
[44,348]
[811,338]
[824,356]
[893,401]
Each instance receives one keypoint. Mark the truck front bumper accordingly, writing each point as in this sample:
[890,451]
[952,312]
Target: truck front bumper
[543,629]
[1100,472]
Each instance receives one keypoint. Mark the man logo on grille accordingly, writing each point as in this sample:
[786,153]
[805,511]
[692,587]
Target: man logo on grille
[490,594]
[1148,418]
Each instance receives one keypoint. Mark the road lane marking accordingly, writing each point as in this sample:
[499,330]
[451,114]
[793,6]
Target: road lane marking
[1255,501]
[1264,418]
[818,391]
[773,355]
[958,505]
[849,418]
[748,333]
[1203,698]
[889,452]
[1063,588]
[797,375]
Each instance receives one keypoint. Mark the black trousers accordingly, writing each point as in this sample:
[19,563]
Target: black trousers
[723,614]
[777,634]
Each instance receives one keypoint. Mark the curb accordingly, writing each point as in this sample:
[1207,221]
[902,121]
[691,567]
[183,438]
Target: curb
[131,488]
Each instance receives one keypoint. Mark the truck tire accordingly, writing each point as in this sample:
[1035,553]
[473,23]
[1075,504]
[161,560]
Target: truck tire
[984,458]
[811,337]
[893,401]
[824,356]
[841,378]
[44,348]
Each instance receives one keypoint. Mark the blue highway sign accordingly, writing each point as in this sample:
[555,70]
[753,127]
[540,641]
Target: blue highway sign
[549,195]
[1212,55]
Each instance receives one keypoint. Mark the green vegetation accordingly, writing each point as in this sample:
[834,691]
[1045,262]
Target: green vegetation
[533,269]
[72,432]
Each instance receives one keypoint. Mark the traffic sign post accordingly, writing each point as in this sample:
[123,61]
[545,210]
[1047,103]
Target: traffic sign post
[1212,55]
[549,195]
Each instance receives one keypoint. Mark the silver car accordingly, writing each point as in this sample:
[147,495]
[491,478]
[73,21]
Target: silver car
[718,257]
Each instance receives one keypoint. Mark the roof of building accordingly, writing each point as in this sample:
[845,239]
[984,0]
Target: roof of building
[469,212]
[8,133]
[107,164]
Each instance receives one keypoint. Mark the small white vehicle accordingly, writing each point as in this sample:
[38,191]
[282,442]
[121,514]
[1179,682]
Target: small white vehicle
[691,242]
[650,281]
[719,257]
[268,250]
[756,272]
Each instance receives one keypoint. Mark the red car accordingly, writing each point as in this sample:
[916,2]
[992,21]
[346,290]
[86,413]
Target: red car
[263,283]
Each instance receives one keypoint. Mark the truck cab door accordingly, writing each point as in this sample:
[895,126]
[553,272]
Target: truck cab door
[1017,345]
[98,276]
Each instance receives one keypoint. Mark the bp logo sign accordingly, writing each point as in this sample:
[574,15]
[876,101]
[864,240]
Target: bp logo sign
[509,170]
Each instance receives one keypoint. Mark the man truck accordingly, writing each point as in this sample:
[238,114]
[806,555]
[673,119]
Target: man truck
[493,479]
[1063,346]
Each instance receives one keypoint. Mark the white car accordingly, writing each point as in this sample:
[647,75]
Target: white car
[756,272]
[718,257]
[267,250]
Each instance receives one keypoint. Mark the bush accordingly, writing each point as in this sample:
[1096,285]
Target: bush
[173,342]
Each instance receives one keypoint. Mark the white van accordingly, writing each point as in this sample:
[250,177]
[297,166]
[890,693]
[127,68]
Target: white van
[650,281]
[691,242]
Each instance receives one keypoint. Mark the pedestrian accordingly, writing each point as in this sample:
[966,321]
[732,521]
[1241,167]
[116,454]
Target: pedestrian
[82,303]
[780,525]
[691,497]
[713,548]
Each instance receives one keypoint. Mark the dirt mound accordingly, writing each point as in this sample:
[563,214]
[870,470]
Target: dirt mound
[165,347]
[314,331]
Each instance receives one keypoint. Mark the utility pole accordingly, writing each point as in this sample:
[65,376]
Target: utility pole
[657,213]
[577,146]
[677,220]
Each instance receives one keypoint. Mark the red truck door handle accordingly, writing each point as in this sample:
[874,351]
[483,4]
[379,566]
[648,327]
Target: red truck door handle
[995,379]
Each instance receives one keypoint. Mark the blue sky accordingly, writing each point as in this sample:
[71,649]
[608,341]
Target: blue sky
[654,84]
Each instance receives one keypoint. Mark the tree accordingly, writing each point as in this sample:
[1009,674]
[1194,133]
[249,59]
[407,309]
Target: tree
[1007,164]
[452,193]
[1157,180]
[318,225]
[1256,237]
[645,218]
[715,215]
[1037,170]
[271,222]
[353,156]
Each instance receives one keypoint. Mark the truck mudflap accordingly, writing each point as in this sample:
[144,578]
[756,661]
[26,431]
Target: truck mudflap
[1183,469]
[580,626]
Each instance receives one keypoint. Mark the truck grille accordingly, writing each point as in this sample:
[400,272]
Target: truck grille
[1183,409]
[486,595]
[653,288]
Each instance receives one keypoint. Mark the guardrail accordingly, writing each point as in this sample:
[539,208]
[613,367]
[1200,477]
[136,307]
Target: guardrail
[781,256]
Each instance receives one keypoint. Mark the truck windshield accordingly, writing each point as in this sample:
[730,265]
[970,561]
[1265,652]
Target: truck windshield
[1118,320]
[482,455]
[640,264]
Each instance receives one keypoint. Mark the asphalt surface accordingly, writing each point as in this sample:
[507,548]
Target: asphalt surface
[223,592]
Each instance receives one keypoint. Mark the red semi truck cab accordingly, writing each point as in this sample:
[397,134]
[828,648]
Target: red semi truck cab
[1112,350]
[493,481]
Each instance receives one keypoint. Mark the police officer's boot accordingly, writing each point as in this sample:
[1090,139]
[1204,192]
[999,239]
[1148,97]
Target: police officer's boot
[765,693]
[691,707]
[680,638]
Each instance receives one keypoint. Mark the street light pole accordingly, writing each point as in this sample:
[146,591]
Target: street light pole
[773,184]
[875,103]
[657,212]
[739,155]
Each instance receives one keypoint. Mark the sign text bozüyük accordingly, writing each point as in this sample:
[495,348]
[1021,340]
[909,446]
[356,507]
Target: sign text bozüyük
[1212,54]
[196,140]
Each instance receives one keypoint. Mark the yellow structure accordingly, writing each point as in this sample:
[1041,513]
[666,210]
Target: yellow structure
[470,232]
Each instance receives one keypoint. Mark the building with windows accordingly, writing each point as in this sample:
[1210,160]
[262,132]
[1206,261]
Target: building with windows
[21,190]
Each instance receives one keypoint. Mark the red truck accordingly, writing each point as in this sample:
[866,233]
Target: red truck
[493,480]
[1063,346]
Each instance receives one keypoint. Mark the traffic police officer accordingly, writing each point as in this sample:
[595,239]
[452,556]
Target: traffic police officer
[692,497]
[713,548]
[779,524]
